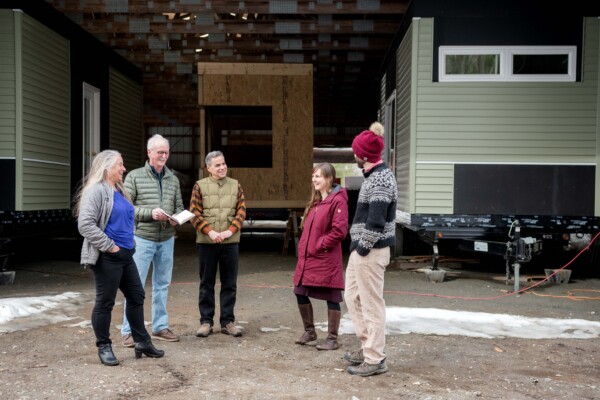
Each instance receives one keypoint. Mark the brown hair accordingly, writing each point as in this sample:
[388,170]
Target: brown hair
[328,172]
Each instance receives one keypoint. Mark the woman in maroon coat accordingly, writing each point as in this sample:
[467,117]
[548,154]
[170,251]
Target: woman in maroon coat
[319,271]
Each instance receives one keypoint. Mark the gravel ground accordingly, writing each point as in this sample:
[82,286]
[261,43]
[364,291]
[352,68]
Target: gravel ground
[53,359]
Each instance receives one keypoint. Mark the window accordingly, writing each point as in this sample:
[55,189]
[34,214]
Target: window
[507,63]
[244,134]
[91,125]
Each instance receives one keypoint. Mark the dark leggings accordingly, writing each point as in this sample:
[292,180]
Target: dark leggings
[330,305]
[114,271]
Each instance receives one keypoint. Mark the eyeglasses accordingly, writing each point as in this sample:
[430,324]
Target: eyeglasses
[162,153]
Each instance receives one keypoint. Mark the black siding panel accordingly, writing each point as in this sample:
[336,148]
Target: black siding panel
[7,183]
[524,189]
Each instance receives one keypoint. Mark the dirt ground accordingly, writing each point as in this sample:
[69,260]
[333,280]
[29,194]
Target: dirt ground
[59,360]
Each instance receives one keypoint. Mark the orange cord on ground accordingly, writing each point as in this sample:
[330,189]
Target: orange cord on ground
[571,296]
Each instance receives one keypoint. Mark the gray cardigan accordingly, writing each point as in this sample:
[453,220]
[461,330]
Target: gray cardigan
[94,213]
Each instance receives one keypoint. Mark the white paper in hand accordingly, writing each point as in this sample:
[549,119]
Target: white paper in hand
[182,217]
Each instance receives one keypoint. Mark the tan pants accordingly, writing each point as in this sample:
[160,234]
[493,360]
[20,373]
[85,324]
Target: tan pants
[364,299]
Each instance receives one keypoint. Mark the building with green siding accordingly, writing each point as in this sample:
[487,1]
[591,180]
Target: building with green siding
[491,111]
[64,96]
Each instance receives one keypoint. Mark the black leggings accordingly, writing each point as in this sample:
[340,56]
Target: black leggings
[330,305]
[114,271]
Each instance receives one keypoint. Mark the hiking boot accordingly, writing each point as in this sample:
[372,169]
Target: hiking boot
[166,334]
[354,357]
[231,329]
[366,369]
[128,340]
[205,330]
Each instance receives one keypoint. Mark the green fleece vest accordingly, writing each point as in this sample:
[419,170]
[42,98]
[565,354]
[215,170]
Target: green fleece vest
[219,205]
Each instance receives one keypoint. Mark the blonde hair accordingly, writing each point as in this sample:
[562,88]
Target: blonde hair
[103,161]
[328,172]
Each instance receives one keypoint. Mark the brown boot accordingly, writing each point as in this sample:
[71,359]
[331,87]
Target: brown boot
[333,324]
[309,335]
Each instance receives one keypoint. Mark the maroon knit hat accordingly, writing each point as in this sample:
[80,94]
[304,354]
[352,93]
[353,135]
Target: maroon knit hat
[368,145]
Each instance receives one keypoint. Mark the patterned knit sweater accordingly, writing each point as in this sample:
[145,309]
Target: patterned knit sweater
[374,221]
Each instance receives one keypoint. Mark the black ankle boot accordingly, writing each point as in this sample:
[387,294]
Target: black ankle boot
[148,349]
[107,357]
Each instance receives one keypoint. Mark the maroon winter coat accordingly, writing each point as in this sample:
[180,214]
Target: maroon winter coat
[320,260]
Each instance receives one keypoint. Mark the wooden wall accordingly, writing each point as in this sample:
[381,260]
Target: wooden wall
[288,89]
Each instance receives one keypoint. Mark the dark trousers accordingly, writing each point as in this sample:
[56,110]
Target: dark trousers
[118,271]
[225,258]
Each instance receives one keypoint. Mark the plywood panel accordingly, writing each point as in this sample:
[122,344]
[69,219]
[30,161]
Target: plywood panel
[254,69]
[288,90]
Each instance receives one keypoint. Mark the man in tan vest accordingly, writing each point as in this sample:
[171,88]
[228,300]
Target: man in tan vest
[220,208]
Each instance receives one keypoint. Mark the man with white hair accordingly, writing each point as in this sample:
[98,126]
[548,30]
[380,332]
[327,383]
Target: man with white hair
[155,192]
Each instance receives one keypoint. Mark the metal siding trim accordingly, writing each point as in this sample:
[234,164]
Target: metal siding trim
[46,162]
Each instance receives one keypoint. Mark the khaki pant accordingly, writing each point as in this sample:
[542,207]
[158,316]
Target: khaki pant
[364,299]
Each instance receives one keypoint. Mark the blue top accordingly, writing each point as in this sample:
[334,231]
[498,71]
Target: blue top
[120,224]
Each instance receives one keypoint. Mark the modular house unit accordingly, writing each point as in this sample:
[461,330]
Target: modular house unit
[64,97]
[493,114]
[261,117]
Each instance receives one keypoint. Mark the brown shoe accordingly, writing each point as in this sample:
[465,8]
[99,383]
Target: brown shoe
[128,340]
[309,335]
[231,329]
[166,334]
[366,369]
[333,324]
[354,357]
[205,330]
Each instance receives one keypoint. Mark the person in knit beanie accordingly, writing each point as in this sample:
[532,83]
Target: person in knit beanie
[368,145]
[372,234]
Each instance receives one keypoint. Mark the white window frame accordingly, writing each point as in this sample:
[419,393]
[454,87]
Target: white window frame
[506,63]
[91,126]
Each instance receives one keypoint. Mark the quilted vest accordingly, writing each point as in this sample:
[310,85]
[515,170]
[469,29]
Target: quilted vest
[219,205]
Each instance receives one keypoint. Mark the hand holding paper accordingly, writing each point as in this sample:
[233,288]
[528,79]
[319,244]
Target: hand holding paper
[182,217]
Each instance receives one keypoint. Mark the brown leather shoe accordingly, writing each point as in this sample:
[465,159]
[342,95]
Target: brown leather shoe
[331,343]
[309,335]
[231,329]
[204,330]
[166,334]
[128,340]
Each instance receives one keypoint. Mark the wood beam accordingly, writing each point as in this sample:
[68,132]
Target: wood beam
[113,26]
[247,42]
[225,7]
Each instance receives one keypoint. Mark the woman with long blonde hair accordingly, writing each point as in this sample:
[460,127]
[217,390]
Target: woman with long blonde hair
[105,218]
[319,271]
